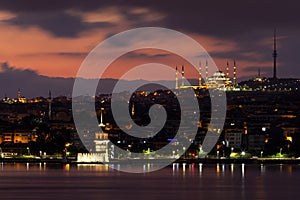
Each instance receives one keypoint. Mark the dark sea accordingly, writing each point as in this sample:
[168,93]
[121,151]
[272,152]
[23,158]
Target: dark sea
[190,181]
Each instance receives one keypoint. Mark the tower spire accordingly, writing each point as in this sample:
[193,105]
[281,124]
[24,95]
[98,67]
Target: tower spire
[182,74]
[227,69]
[49,105]
[259,72]
[101,118]
[206,70]
[274,56]
[19,93]
[176,78]
[200,74]
[234,73]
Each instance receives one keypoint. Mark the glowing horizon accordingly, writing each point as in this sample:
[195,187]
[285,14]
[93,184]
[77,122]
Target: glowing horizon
[55,42]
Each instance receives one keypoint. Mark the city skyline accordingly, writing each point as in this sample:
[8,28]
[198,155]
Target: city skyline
[149,99]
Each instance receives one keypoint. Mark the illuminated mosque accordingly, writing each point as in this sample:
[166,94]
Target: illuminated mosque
[219,80]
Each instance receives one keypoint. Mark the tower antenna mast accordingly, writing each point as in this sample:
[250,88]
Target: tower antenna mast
[274,56]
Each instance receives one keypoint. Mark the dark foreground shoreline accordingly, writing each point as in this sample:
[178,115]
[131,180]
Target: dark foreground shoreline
[180,161]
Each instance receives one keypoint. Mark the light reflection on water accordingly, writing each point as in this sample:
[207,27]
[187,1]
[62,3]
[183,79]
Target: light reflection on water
[178,181]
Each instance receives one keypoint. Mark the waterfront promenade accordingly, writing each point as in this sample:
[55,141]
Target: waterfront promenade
[73,160]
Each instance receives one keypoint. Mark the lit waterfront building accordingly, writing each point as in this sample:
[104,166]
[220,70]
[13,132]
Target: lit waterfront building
[101,142]
[18,137]
[101,146]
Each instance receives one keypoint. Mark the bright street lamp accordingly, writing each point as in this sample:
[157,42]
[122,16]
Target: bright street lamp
[28,151]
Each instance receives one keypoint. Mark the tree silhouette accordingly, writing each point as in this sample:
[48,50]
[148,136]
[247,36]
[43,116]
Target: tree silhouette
[277,142]
[295,147]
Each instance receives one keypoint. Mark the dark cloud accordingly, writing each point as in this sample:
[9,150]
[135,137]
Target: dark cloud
[251,56]
[231,19]
[31,83]
[58,23]
[64,54]
[134,54]
[52,5]
[256,68]
[51,16]
[246,23]
[72,54]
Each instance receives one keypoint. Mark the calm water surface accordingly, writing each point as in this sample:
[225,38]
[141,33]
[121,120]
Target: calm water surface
[195,181]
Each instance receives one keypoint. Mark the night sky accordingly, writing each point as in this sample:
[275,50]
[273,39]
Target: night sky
[52,38]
